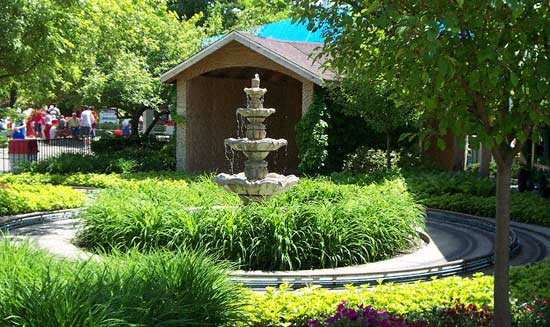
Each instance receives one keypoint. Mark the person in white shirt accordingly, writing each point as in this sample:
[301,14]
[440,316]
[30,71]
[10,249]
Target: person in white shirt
[48,120]
[86,122]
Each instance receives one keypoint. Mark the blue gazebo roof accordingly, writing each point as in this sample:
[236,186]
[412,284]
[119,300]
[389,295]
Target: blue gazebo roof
[286,30]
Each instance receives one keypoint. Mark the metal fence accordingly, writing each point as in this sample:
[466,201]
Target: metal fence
[19,153]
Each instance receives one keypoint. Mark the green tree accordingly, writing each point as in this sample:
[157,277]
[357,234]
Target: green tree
[372,101]
[477,67]
[36,44]
[125,46]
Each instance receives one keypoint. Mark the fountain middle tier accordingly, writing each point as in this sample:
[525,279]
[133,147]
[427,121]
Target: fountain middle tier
[255,149]
[255,115]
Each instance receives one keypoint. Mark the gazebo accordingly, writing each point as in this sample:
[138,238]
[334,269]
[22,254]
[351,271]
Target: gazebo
[210,88]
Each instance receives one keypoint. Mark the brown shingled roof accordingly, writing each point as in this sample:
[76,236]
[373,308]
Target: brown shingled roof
[296,56]
[300,53]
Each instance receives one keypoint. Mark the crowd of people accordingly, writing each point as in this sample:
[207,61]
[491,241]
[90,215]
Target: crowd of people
[48,123]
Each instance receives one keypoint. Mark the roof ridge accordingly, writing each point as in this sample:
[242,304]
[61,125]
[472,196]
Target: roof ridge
[247,34]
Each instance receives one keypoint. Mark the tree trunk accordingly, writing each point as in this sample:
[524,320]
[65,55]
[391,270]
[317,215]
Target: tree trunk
[388,150]
[458,155]
[156,118]
[484,161]
[134,125]
[503,316]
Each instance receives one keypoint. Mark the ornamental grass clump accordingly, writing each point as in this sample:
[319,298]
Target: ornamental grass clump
[316,224]
[159,288]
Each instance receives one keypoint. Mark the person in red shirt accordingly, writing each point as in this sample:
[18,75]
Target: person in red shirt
[94,124]
[38,119]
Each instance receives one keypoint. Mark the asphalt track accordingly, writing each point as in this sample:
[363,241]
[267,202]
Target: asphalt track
[453,244]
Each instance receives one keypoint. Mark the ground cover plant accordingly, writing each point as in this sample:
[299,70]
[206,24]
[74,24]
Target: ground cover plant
[97,180]
[450,301]
[315,224]
[17,198]
[134,289]
[284,307]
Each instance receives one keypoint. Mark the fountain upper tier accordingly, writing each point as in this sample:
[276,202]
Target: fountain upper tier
[255,94]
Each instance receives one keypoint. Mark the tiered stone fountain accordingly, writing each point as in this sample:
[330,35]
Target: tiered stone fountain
[256,183]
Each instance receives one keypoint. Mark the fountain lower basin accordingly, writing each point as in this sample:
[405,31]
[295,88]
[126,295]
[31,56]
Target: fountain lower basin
[254,190]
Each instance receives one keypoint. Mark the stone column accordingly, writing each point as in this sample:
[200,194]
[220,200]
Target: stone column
[181,130]
[307,95]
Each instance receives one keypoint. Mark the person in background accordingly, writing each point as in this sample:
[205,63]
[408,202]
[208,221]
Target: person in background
[86,122]
[38,120]
[126,127]
[74,125]
[48,121]
[28,121]
[94,124]
[54,111]
[19,131]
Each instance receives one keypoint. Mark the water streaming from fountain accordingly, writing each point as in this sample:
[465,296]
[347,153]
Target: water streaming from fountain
[255,183]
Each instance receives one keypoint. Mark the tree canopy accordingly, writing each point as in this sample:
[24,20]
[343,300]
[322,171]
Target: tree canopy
[477,67]
[110,53]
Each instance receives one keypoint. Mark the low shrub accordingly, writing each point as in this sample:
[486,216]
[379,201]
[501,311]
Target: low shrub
[456,301]
[531,281]
[524,207]
[426,184]
[134,289]
[113,155]
[17,199]
[313,225]
[284,307]
[536,313]
[367,160]
[96,180]
[78,163]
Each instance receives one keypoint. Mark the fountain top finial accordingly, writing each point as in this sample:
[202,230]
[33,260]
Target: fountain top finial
[256,81]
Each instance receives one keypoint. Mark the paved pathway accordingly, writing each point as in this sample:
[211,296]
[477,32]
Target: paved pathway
[447,242]
[57,237]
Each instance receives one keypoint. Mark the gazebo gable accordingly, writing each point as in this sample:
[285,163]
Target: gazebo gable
[240,49]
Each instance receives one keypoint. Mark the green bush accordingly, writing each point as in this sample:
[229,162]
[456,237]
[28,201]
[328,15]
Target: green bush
[134,289]
[312,138]
[3,140]
[283,306]
[113,155]
[433,183]
[125,161]
[280,307]
[17,199]
[315,224]
[531,281]
[367,160]
[93,179]
[524,207]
